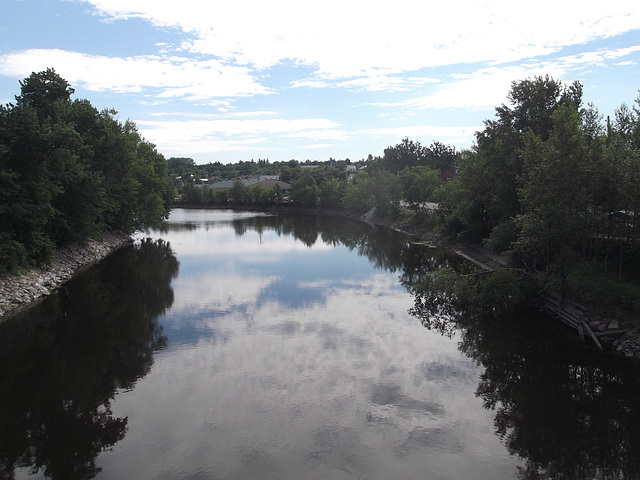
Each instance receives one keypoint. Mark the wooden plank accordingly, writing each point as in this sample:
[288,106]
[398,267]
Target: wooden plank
[581,332]
[610,333]
[593,336]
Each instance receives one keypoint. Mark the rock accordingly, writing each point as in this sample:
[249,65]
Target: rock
[614,325]
[19,290]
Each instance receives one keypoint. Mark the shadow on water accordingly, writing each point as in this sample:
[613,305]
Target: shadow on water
[567,412]
[63,360]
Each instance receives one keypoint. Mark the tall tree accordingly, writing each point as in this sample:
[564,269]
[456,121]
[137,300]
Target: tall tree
[555,200]
[405,154]
[68,172]
[491,174]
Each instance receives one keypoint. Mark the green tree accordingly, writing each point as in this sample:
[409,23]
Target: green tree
[441,157]
[418,185]
[304,191]
[43,90]
[331,192]
[237,192]
[179,166]
[69,173]
[380,190]
[491,172]
[554,196]
[404,155]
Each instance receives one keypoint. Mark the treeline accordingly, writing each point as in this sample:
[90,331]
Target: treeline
[69,172]
[406,176]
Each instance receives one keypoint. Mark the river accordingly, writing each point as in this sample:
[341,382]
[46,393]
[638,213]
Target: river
[235,345]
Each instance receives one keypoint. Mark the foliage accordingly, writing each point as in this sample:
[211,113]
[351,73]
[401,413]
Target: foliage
[380,190]
[331,192]
[304,191]
[491,171]
[409,153]
[69,172]
[418,184]
[549,183]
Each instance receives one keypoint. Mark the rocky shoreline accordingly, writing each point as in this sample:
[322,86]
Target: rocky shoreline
[17,291]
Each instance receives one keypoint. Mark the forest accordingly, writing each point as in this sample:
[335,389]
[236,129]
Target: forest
[69,173]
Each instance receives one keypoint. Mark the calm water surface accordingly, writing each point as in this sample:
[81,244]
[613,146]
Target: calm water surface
[251,346]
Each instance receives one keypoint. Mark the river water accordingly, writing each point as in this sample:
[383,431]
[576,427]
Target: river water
[233,345]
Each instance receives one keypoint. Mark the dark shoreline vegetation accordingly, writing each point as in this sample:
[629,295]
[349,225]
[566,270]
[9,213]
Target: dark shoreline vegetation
[69,173]
[549,185]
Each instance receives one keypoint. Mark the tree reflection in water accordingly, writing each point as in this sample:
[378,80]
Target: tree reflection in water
[62,361]
[568,412]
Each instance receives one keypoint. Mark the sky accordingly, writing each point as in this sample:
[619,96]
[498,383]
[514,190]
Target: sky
[224,81]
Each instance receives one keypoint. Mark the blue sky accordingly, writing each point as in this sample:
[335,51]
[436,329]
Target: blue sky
[247,79]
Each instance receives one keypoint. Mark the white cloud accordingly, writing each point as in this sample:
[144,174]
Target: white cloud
[216,135]
[349,39]
[172,76]
[486,88]
[318,134]
[374,81]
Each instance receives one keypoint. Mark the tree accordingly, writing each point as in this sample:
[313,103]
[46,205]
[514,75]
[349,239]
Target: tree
[180,166]
[418,185]
[405,154]
[331,192]
[304,191]
[69,173]
[554,196]
[491,173]
[41,91]
[380,190]
[441,157]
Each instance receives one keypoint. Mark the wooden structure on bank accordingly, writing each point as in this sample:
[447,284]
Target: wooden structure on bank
[571,314]
[576,316]
[567,312]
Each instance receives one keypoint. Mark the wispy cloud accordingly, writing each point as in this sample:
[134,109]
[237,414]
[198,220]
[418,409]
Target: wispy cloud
[169,77]
[217,135]
[487,87]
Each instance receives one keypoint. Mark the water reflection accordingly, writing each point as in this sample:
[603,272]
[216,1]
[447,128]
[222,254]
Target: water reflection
[569,413]
[291,355]
[284,350]
[62,361]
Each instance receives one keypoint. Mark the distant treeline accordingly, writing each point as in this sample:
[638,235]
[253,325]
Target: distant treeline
[405,177]
[69,172]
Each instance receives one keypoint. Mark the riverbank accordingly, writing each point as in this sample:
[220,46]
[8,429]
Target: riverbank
[18,291]
[609,334]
